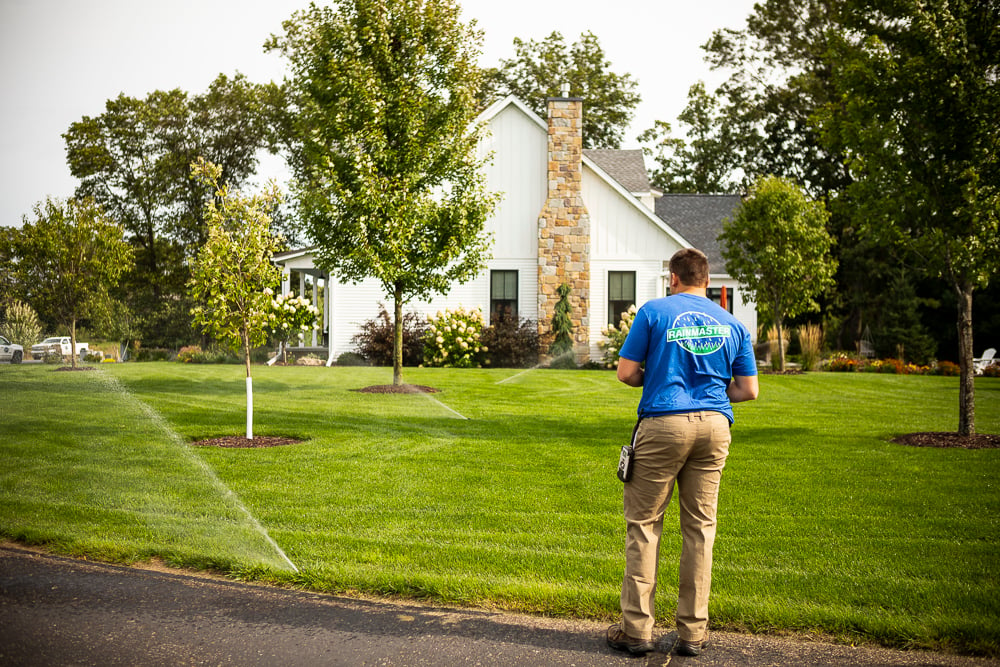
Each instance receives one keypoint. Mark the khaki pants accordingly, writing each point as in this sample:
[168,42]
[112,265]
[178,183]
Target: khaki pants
[690,449]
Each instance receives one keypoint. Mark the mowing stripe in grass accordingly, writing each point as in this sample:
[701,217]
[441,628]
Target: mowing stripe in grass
[112,384]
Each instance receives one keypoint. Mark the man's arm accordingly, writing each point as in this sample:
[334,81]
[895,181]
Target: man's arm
[630,372]
[742,388]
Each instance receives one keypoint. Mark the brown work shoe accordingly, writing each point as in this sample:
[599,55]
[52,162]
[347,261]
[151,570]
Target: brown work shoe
[619,641]
[691,648]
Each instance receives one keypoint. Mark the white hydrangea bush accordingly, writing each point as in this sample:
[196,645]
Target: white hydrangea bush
[290,316]
[616,338]
[454,339]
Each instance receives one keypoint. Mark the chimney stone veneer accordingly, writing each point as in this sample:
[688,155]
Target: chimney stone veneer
[564,225]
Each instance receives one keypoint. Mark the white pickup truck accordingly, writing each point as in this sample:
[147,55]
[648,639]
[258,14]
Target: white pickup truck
[10,352]
[61,345]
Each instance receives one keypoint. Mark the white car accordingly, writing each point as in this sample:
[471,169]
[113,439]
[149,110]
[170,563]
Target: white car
[10,352]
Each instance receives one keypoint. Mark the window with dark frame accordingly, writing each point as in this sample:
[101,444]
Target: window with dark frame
[621,294]
[715,294]
[503,295]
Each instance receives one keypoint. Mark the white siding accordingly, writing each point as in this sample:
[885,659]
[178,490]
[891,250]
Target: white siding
[518,171]
[619,230]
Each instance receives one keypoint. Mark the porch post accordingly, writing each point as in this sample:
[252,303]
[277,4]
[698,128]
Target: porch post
[327,318]
[315,294]
[302,293]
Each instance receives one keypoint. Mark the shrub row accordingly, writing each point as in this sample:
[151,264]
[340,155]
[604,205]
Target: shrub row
[843,363]
[452,338]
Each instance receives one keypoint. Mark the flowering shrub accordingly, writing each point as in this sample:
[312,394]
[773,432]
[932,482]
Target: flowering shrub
[947,368]
[454,339]
[616,338]
[842,363]
[290,316]
[992,371]
[190,354]
[890,366]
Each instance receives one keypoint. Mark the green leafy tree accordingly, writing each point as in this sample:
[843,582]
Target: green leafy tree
[778,247]
[234,271]
[916,118]
[73,255]
[539,69]
[134,159]
[700,164]
[780,76]
[383,95]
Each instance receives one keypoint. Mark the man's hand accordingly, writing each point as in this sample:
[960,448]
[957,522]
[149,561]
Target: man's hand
[630,372]
[742,388]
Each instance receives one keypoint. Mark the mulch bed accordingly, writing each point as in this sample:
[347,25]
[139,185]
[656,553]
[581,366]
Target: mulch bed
[397,389]
[947,439]
[241,441]
[78,368]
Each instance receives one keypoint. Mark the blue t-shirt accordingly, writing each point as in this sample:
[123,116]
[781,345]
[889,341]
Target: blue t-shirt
[692,348]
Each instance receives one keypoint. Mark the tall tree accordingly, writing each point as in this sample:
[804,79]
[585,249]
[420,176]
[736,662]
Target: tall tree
[777,245]
[703,162]
[916,117]
[390,186]
[134,159]
[234,272]
[780,75]
[539,69]
[73,255]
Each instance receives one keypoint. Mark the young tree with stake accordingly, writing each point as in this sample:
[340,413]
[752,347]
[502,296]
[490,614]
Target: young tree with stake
[234,273]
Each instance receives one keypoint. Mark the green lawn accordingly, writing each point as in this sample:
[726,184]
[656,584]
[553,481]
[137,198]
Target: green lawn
[825,526]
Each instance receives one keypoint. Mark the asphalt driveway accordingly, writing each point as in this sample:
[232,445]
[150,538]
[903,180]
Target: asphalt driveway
[58,611]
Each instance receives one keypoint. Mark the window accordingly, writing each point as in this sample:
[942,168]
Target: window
[715,294]
[621,294]
[503,295]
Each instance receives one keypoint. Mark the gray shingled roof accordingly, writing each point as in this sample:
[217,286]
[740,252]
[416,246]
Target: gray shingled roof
[625,166]
[698,218]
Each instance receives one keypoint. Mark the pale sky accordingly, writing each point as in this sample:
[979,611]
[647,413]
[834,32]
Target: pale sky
[61,60]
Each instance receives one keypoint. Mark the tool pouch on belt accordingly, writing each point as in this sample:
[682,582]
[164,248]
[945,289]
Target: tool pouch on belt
[627,457]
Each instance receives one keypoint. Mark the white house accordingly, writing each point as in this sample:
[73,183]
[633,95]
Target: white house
[587,218]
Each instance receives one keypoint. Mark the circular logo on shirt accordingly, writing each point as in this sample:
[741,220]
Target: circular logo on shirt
[698,333]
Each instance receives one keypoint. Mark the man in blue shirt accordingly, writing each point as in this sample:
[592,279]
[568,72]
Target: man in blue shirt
[698,361]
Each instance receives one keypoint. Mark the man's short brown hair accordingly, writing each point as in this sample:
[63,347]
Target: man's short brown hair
[690,265]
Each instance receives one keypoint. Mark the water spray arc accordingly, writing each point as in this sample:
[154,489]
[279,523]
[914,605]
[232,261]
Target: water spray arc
[112,384]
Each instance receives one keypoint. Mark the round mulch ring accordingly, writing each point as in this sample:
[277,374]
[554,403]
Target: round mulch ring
[397,389]
[241,441]
[948,439]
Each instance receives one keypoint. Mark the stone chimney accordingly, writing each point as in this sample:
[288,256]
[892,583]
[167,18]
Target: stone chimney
[564,224]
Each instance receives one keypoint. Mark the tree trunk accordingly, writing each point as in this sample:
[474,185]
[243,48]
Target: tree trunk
[967,381]
[246,359]
[72,343]
[397,337]
[780,332]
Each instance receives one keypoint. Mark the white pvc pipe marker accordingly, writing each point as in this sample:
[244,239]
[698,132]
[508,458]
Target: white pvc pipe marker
[249,408]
